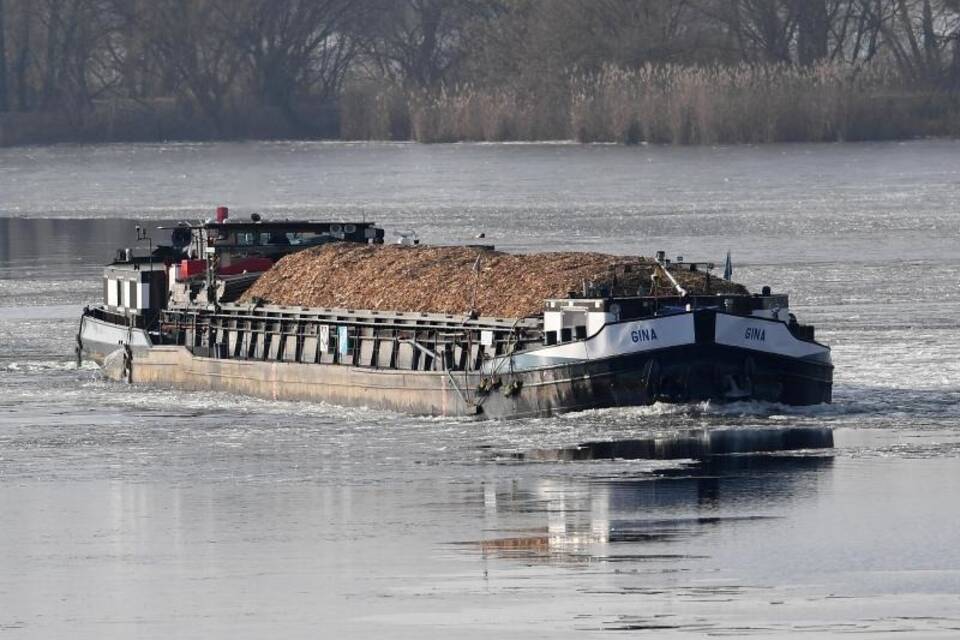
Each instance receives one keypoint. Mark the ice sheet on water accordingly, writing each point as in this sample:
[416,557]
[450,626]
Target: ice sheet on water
[38,366]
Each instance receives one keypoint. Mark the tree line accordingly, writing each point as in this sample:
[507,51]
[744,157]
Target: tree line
[473,69]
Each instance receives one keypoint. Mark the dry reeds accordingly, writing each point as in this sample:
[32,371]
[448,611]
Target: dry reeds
[676,104]
[465,113]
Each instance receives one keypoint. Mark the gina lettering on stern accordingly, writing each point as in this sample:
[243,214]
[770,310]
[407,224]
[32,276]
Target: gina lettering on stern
[643,335]
[756,334]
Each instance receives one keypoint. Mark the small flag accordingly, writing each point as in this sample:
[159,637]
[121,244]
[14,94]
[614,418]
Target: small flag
[728,268]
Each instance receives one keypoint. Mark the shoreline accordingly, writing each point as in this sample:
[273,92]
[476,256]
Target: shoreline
[335,142]
[706,119]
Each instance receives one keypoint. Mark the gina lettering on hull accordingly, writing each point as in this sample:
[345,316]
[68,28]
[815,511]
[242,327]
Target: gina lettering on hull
[643,335]
[756,334]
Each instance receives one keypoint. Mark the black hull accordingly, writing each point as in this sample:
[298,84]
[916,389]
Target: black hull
[687,374]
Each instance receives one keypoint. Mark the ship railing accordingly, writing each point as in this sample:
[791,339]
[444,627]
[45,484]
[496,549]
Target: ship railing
[374,317]
[327,339]
[132,320]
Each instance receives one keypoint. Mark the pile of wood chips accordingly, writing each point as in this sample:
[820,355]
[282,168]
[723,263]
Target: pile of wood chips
[456,280]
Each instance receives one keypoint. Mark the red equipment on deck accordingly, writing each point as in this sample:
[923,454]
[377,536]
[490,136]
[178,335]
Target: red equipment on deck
[190,268]
[249,265]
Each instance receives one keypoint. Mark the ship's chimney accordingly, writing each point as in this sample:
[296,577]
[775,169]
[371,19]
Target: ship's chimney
[222,214]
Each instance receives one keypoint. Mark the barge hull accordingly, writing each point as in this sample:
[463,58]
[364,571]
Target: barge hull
[689,373]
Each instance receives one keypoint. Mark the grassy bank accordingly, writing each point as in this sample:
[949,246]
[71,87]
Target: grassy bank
[664,104]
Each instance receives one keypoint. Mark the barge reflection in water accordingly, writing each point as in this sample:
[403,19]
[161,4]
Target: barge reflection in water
[696,443]
[645,518]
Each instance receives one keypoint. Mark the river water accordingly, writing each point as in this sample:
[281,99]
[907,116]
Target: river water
[129,512]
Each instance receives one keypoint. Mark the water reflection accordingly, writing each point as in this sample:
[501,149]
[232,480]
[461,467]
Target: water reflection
[644,517]
[49,244]
[691,443]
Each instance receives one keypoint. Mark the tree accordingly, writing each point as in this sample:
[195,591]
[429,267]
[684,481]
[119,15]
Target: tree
[76,68]
[856,27]
[952,10]
[761,30]
[919,36]
[139,69]
[4,102]
[813,30]
[421,42]
[191,40]
[296,48]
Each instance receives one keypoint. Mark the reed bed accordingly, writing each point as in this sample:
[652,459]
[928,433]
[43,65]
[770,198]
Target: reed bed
[664,104]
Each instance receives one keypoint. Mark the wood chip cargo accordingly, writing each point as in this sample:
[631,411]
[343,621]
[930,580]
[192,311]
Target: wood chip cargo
[458,280]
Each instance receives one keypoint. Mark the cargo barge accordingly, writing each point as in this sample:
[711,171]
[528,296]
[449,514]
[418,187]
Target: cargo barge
[182,316]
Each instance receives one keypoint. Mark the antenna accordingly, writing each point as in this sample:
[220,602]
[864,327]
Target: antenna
[477,268]
[142,235]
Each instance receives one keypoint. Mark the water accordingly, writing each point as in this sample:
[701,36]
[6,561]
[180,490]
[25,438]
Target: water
[133,512]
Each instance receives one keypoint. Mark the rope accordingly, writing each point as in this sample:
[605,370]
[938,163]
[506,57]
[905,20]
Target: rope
[446,370]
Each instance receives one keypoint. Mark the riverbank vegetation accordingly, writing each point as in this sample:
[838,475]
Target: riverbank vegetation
[629,71]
